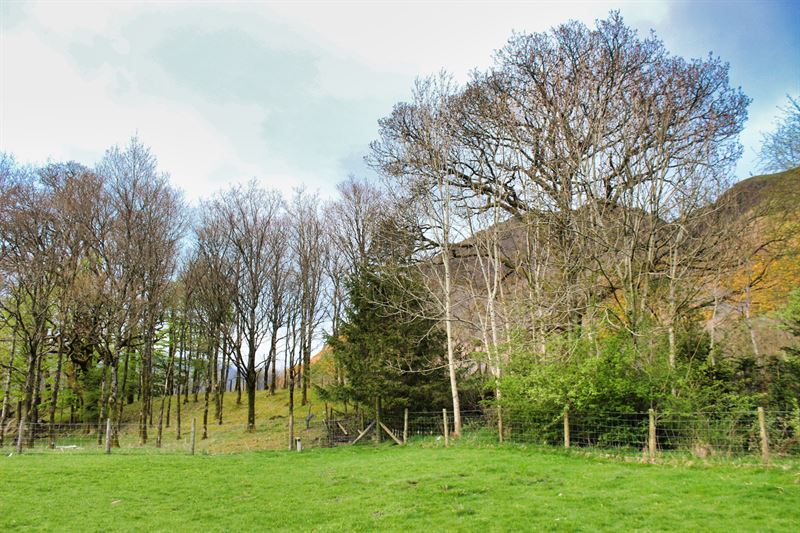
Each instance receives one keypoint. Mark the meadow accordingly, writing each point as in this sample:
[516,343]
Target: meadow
[390,488]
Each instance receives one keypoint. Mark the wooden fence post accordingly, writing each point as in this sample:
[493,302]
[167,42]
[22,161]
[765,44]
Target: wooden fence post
[566,428]
[446,429]
[651,435]
[762,427]
[376,437]
[108,435]
[405,426]
[20,434]
[194,424]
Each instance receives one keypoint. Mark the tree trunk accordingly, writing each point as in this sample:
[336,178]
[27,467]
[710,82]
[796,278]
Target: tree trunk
[188,365]
[305,363]
[238,388]
[448,305]
[7,387]
[54,398]
[285,384]
[250,383]
[25,407]
[101,406]
[178,383]
[223,378]
[122,393]
[167,391]
[273,379]
[451,364]
[291,409]
[209,373]
[37,401]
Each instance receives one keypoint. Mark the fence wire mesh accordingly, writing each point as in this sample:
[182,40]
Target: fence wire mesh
[702,434]
[126,438]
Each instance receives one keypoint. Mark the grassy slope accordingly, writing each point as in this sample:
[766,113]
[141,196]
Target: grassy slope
[383,488]
[271,423]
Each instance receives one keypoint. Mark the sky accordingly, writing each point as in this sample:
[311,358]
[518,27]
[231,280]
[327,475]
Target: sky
[290,93]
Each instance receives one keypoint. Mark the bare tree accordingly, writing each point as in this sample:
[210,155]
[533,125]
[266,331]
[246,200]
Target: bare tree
[140,256]
[310,253]
[248,217]
[29,264]
[780,149]
[417,149]
[279,263]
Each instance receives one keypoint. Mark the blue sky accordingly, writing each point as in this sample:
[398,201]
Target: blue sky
[290,93]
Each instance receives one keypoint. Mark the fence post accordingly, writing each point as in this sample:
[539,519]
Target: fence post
[651,435]
[194,423]
[500,428]
[446,429]
[20,434]
[108,435]
[762,426]
[566,428]
[405,426]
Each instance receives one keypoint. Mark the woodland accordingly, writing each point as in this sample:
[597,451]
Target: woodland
[562,231]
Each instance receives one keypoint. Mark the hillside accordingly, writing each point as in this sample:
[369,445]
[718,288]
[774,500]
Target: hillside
[768,208]
[760,265]
[272,424]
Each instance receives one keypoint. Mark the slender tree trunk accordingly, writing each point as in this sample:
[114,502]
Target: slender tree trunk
[291,375]
[250,382]
[102,405]
[121,394]
[223,378]
[291,409]
[147,378]
[37,402]
[273,356]
[188,365]
[451,364]
[7,387]
[209,374]
[25,407]
[178,383]
[305,371]
[56,383]
[114,399]
[273,379]
[215,371]
[238,387]
[285,384]
[167,391]
[195,381]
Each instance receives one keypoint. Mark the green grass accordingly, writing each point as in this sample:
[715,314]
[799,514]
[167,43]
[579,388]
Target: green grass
[272,429]
[464,488]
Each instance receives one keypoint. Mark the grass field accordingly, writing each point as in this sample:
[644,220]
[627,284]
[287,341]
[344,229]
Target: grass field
[390,489]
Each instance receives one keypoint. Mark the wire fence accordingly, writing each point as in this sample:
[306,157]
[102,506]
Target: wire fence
[651,434]
[702,434]
[193,438]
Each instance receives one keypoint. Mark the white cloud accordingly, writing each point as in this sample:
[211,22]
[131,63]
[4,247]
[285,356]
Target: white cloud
[77,78]
[418,38]
[50,110]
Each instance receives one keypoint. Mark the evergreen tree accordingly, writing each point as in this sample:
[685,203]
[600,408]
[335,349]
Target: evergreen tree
[387,348]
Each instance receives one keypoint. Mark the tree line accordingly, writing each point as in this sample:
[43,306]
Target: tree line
[571,226]
[114,290]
